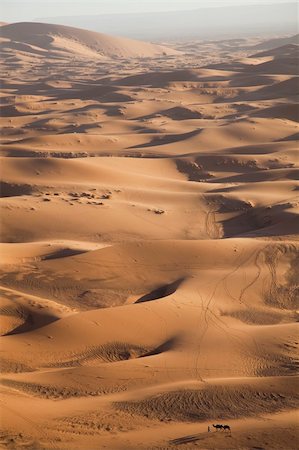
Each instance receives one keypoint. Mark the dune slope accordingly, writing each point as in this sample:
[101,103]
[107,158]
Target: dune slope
[59,38]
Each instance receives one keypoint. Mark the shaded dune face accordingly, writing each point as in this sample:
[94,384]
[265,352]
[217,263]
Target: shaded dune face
[149,241]
[161,292]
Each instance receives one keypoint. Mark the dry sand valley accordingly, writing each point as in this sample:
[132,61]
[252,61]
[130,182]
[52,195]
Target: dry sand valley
[149,242]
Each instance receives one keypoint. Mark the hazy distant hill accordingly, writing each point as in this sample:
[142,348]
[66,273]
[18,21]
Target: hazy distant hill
[202,23]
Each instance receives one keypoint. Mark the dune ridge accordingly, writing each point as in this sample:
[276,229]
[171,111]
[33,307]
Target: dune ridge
[60,38]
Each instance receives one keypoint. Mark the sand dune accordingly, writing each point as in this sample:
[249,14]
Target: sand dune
[278,42]
[288,50]
[283,111]
[149,242]
[159,79]
[59,38]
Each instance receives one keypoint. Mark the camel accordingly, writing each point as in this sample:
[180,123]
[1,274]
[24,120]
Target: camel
[222,427]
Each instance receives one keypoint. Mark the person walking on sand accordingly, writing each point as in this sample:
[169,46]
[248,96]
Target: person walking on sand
[209,429]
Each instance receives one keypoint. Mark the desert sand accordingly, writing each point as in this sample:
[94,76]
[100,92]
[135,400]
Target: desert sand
[149,254]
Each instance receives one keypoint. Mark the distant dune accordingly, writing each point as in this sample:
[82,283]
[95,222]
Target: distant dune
[55,38]
[285,51]
[278,42]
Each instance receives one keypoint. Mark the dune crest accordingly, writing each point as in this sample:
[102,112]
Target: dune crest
[60,38]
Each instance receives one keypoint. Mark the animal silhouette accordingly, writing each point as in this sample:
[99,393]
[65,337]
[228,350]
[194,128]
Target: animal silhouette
[218,426]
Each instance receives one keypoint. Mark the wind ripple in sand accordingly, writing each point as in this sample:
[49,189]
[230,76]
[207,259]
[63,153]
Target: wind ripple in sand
[212,403]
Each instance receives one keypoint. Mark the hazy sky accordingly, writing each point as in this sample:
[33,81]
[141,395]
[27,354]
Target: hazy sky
[26,10]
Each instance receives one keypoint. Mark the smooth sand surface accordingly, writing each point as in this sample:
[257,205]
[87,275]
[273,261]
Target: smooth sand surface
[149,255]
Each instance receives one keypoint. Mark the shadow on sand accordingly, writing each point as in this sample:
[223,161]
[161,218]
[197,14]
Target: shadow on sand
[196,437]
[189,438]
